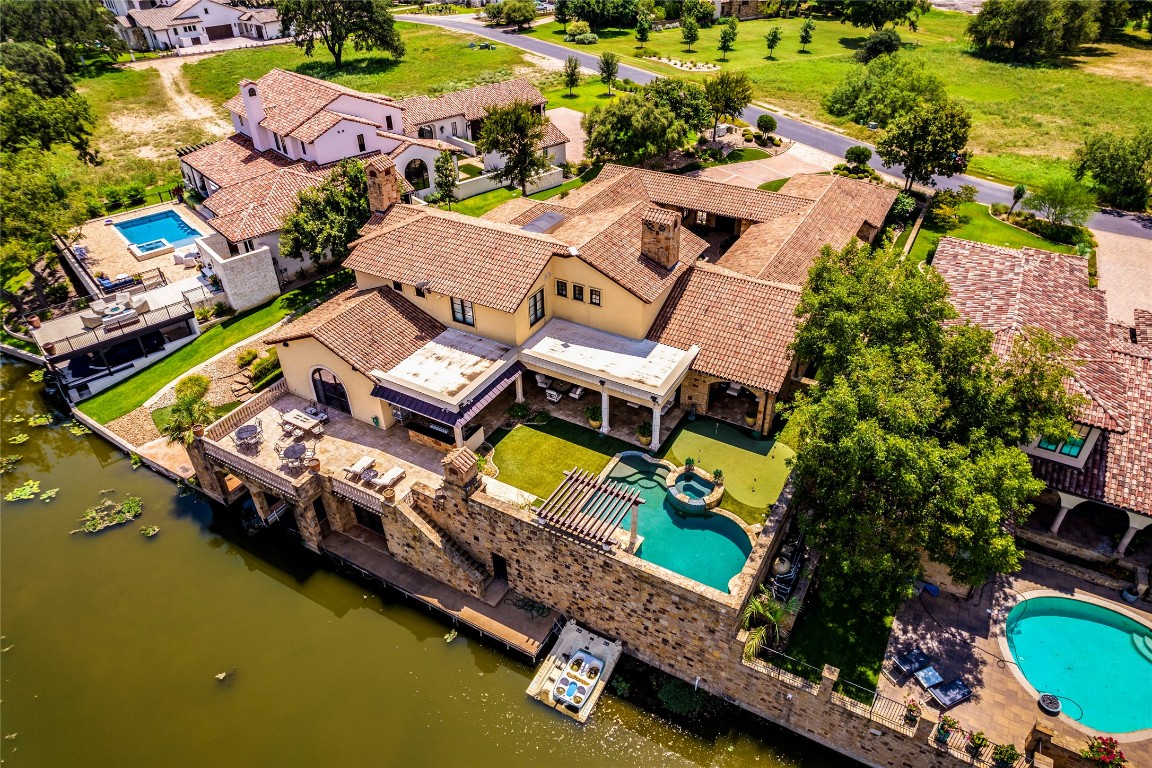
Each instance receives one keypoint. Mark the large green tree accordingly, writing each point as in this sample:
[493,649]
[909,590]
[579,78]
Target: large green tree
[368,24]
[609,66]
[447,179]
[878,13]
[604,13]
[1119,167]
[909,444]
[29,120]
[73,28]
[928,141]
[887,86]
[40,69]
[632,129]
[515,131]
[328,217]
[1062,200]
[728,93]
[1029,30]
[686,99]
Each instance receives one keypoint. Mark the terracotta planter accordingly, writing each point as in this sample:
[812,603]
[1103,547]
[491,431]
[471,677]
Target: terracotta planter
[644,441]
[750,420]
[389,495]
[198,430]
[594,424]
[34,321]
[49,348]
[313,464]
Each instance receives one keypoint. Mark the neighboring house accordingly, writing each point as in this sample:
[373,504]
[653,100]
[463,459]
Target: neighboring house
[610,289]
[167,24]
[290,132]
[1109,461]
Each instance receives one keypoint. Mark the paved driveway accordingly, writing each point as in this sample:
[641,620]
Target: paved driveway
[568,121]
[1125,267]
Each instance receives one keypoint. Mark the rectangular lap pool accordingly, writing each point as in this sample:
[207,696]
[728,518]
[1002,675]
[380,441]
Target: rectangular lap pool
[157,231]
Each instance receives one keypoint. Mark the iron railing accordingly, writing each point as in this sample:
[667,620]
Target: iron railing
[869,703]
[96,337]
[788,670]
[243,468]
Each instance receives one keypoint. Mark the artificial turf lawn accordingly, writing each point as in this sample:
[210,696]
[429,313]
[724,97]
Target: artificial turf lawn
[774,186]
[1026,119]
[479,205]
[982,227]
[131,393]
[534,457]
[754,470]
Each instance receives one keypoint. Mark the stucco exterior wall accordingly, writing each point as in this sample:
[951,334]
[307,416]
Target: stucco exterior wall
[621,311]
[302,356]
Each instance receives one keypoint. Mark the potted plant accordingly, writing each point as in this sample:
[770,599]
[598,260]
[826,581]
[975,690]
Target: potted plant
[976,742]
[594,415]
[1004,756]
[644,433]
[187,419]
[1104,751]
[690,464]
[945,727]
[750,417]
[718,476]
[34,321]
[911,711]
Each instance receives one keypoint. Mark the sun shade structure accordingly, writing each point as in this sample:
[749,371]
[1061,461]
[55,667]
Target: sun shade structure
[589,509]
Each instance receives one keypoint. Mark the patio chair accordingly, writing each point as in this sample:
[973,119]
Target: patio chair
[318,430]
[552,395]
[948,695]
[177,258]
[123,298]
[80,251]
[98,306]
[912,662]
[576,393]
[543,381]
[91,320]
[141,305]
[388,479]
[733,388]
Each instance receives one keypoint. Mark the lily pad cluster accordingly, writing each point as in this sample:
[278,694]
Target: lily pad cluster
[8,463]
[149,530]
[109,513]
[78,429]
[37,375]
[24,492]
[18,439]
[40,420]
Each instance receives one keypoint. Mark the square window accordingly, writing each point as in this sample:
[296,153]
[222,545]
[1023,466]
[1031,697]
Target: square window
[594,296]
[398,286]
[1074,445]
[562,289]
[419,292]
[462,312]
[577,292]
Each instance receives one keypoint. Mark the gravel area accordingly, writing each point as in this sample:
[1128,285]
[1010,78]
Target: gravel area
[136,427]
[220,370]
[1125,270]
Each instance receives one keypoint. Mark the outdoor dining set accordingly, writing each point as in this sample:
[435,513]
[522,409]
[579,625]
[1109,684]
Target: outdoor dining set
[554,390]
[117,310]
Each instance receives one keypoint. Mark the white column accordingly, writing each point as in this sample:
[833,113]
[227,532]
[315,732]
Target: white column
[458,433]
[656,427]
[1055,527]
[1126,540]
[519,387]
[604,411]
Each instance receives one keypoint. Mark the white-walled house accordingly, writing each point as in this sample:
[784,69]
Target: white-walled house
[167,24]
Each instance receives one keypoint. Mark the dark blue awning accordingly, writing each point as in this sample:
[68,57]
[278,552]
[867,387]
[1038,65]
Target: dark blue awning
[452,418]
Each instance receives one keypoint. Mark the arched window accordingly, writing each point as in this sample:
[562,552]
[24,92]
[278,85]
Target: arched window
[417,174]
[329,390]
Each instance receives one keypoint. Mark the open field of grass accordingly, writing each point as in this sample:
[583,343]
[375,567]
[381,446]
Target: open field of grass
[424,69]
[131,393]
[982,227]
[585,96]
[1026,118]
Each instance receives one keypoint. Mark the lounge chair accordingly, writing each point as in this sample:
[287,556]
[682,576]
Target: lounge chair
[362,463]
[98,307]
[91,320]
[949,694]
[140,305]
[123,298]
[552,395]
[543,381]
[913,661]
[576,393]
[388,479]
[80,251]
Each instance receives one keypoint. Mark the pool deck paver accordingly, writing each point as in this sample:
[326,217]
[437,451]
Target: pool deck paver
[962,636]
[108,250]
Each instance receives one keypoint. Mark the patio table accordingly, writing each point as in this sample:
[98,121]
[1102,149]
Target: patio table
[300,420]
[368,475]
[929,677]
[294,452]
[248,433]
[561,386]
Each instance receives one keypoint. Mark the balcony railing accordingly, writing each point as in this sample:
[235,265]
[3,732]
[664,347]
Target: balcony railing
[96,337]
[245,469]
[247,412]
[355,494]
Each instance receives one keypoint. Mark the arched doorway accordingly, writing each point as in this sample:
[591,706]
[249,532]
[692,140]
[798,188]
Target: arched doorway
[329,390]
[416,172]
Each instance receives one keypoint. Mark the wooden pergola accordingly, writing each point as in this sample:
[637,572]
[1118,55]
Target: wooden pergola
[590,509]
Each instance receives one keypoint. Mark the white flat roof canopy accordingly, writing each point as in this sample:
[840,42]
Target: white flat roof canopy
[449,368]
[635,367]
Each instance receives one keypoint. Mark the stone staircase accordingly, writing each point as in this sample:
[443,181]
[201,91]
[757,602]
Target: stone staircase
[241,388]
[455,552]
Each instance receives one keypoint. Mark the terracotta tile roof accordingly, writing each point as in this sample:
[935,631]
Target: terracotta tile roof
[290,99]
[553,136]
[472,103]
[408,141]
[259,206]
[783,249]
[234,160]
[491,264]
[370,329]
[164,16]
[262,15]
[1006,290]
[324,121]
[743,326]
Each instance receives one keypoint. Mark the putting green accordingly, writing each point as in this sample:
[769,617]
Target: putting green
[754,470]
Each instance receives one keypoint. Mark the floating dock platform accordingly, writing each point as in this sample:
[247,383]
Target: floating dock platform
[576,672]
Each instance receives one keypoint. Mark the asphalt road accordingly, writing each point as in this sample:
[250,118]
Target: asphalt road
[805,133]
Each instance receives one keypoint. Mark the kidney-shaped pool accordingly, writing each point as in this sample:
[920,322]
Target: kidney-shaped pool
[1096,660]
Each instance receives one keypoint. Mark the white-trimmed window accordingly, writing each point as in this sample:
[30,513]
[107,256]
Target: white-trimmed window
[462,312]
[1071,447]
[536,307]
[594,297]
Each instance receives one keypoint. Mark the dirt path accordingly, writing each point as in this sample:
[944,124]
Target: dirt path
[187,105]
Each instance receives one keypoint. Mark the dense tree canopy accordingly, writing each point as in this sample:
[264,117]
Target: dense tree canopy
[686,99]
[28,120]
[1028,30]
[515,131]
[368,24]
[880,42]
[40,69]
[632,129]
[73,28]
[909,444]
[928,141]
[878,13]
[886,87]
[604,13]
[1119,167]
[328,217]
[1062,200]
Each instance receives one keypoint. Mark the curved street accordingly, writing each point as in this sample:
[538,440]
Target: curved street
[834,143]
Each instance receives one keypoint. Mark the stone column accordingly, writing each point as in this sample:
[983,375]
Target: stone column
[458,435]
[210,479]
[308,526]
[1126,540]
[520,387]
[604,405]
[828,678]
[656,427]
[260,501]
[1055,527]
[341,516]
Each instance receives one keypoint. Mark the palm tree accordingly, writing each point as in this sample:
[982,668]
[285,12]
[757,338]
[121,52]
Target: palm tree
[188,412]
[763,617]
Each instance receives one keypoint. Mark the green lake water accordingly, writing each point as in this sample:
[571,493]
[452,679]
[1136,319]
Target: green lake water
[111,643]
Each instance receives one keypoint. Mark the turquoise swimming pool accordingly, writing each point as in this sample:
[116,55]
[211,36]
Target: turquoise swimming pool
[148,233]
[1097,661]
[708,548]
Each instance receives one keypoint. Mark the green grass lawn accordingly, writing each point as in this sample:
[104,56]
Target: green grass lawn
[534,457]
[982,227]
[423,70]
[852,640]
[754,470]
[131,393]
[590,93]
[162,416]
[1026,119]
[738,155]
[774,186]
[482,203]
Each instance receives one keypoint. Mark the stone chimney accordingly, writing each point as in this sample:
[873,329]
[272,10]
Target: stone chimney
[383,183]
[660,236]
[253,113]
